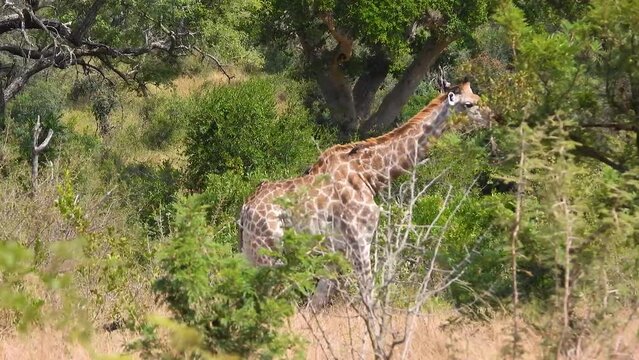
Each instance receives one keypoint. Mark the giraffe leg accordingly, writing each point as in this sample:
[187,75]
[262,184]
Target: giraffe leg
[360,258]
[360,233]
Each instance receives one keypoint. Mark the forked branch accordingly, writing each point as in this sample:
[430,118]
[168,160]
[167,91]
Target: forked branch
[37,150]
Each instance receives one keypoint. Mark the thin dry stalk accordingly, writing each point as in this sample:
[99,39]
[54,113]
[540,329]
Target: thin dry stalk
[515,241]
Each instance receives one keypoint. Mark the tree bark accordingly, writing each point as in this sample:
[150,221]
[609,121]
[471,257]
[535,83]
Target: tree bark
[3,110]
[336,89]
[377,67]
[396,98]
[82,27]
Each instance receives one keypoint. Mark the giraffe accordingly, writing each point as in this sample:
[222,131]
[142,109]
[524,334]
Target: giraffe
[336,196]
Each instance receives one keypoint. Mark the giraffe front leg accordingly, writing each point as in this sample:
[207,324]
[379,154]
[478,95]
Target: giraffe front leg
[360,259]
[360,236]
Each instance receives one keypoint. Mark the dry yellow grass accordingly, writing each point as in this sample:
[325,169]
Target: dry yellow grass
[185,85]
[343,336]
[48,344]
[433,339]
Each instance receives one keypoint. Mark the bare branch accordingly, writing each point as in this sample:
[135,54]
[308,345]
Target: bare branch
[344,42]
[66,46]
[588,151]
[614,126]
[40,148]
[216,61]
[515,239]
[37,150]
[26,19]
[18,82]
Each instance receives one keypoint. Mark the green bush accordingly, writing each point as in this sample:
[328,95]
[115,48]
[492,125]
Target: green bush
[256,126]
[111,271]
[424,93]
[473,234]
[223,198]
[164,123]
[238,308]
[151,191]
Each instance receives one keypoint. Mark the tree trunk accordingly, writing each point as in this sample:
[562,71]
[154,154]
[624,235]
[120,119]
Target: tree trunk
[3,109]
[336,89]
[396,98]
[368,84]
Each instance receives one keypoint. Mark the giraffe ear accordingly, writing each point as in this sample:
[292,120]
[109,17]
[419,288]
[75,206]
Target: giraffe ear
[442,84]
[452,98]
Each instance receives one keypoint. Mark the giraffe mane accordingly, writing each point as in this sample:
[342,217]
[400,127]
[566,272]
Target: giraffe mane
[403,129]
[354,147]
[414,121]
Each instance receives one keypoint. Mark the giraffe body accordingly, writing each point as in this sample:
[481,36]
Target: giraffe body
[336,197]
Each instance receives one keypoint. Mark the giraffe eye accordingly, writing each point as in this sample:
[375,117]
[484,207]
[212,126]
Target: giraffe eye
[468,105]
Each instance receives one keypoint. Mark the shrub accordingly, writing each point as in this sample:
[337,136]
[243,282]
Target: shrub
[151,192]
[424,93]
[223,198]
[238,308]
[472,229]
[164,123]
[104,101]
[258,125]
[113,272]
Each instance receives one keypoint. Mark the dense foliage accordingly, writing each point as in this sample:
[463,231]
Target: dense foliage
[246,128]
[238,308]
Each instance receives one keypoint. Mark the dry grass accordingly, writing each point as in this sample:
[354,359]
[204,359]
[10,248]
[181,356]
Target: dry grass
[343,336]
[436,338]
[185,85]
[45,344]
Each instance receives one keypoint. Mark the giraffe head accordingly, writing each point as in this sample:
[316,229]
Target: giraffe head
[461,99]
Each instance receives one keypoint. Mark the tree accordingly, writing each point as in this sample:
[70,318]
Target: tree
[350,49]
[584,70]
[611,63]
[131,38]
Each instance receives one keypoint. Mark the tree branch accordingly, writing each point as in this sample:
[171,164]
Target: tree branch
[367,85]
[588,151]
[82,27]
[396,98]
[614,126]
[344,42]
[37,150]
[67,46]
[18,82]
[26,19]
[216,61]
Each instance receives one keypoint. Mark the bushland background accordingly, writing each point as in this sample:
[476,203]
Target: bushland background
[132,131]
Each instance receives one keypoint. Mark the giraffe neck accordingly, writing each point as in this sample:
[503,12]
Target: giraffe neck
[392,154]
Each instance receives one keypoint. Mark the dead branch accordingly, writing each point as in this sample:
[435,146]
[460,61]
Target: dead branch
[613,126]
[37,150]
[216,62]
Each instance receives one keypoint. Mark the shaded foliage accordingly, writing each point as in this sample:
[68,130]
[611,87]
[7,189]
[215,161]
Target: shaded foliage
[251,127]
